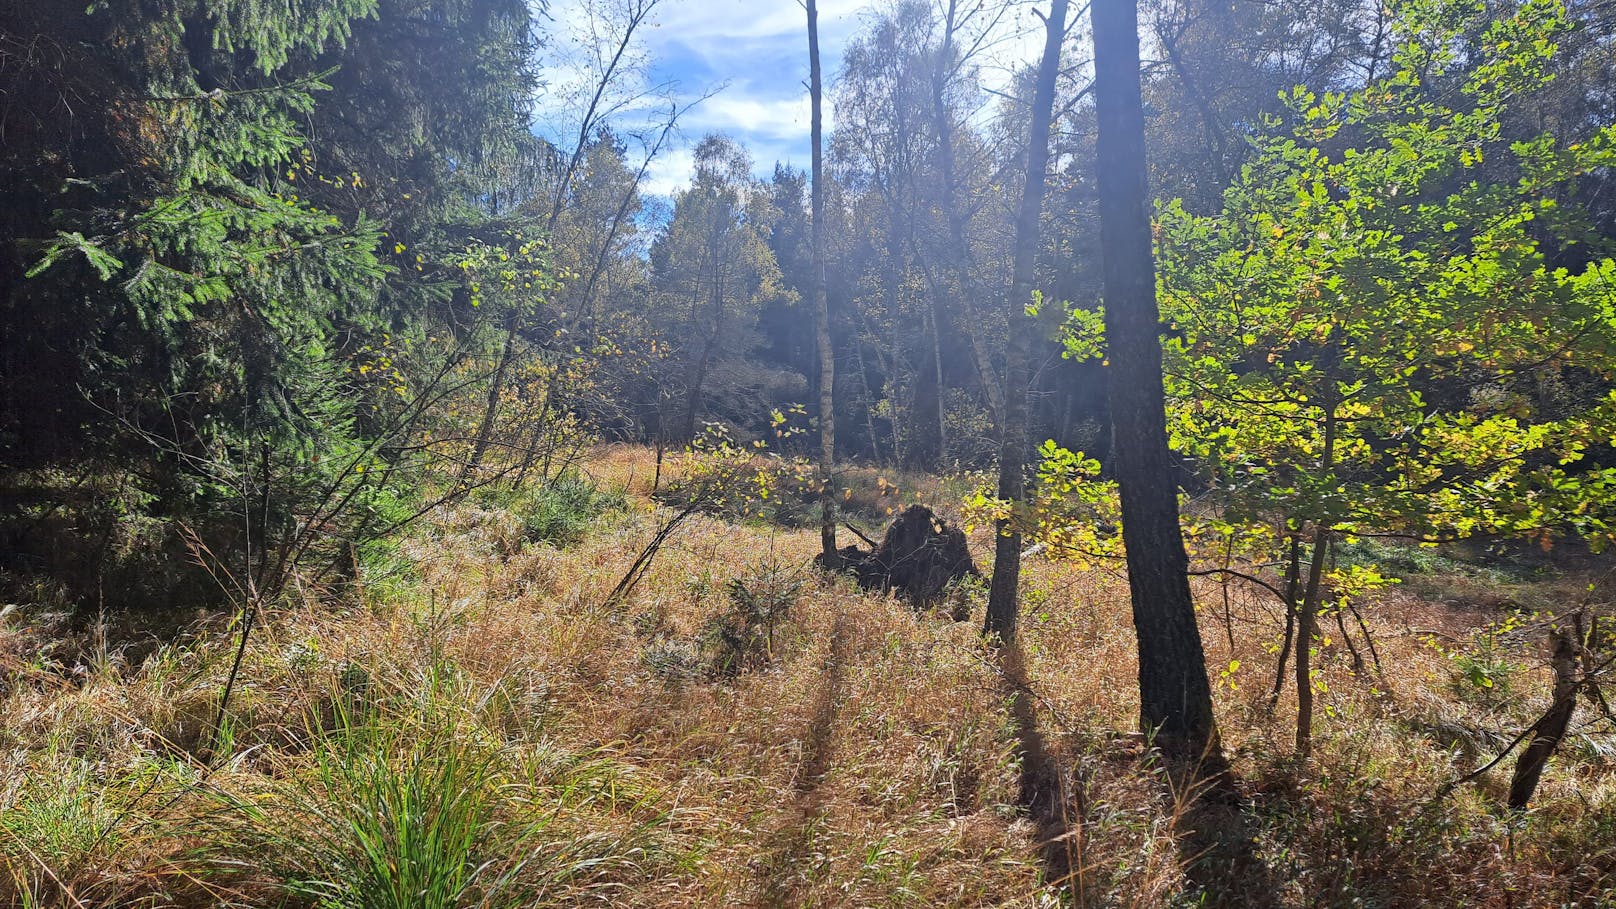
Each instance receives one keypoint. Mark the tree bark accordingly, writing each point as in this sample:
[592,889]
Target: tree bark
[1001,615]
[1551,729]
[1306,628]
[827,359]
[1308,610]
[1293,575]
[1175,700]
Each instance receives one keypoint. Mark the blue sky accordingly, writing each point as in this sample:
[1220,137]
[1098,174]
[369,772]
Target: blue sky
[753,56]
[755,53]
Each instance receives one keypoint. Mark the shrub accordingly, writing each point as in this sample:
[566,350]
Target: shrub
[1483,674]
[562,510]
[742,636]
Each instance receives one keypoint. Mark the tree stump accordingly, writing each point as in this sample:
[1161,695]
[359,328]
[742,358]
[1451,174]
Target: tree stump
[921,557]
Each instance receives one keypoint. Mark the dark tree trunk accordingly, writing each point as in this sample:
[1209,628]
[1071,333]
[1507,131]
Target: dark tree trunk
[927,434]
[1174,698]
[1551,729]
[1001,617]
[496,384]
[868,403]
[903,430]
[694,383]
[1293,580]
[1307,612]
[937,382]
[827,359]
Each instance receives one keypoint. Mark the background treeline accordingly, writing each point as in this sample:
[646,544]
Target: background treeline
[276,281]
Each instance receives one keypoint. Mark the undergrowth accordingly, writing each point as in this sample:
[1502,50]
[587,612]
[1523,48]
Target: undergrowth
[741,732]
[561,511]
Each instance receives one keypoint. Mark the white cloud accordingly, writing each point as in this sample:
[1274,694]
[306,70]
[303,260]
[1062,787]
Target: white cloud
[743,110]
[781,118]
[670,171]
[757,50]
[744,19]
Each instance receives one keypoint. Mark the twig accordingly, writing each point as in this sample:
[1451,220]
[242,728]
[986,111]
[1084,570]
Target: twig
[249,611]
[860,534]
[1586,680]
[1230,572]
[643,560]
[1450,786]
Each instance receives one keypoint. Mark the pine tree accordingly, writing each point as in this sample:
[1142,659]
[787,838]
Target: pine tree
[212,294]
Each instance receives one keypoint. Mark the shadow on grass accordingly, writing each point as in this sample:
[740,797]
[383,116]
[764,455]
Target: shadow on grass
[1217,845]
[1211,820]
[792,844]
[1044,793]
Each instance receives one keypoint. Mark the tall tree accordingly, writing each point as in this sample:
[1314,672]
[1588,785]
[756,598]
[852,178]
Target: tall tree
[967,31]
[197,290]
[1001,614]
[881,144]
[905,136]
[1175,700]
[827,359]
[1377,335]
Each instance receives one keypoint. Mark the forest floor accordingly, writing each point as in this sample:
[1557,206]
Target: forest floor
[480,724]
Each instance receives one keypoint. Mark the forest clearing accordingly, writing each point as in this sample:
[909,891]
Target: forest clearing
[573,753]
[1155,453]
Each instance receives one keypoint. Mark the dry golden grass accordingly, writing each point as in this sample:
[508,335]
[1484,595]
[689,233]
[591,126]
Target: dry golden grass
[872,761]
